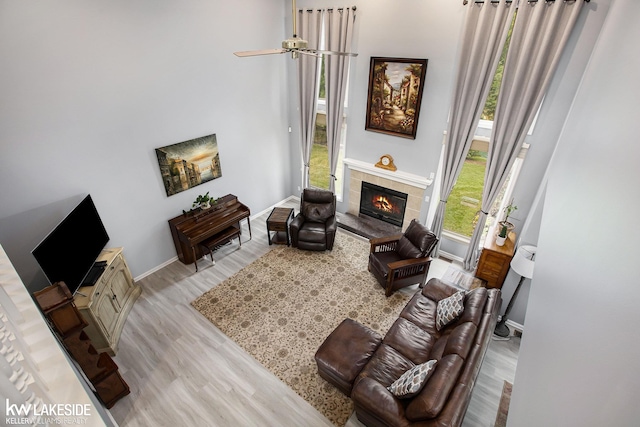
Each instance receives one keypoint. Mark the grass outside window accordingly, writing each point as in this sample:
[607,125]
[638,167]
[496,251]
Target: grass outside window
[319,166]
[465,200]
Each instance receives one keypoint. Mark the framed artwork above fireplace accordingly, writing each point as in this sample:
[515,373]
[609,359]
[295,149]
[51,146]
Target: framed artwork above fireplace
[395,95]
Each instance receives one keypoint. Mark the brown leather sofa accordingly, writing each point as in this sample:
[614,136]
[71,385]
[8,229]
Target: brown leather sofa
[362,364]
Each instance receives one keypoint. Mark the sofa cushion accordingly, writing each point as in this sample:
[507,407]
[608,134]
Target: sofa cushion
[386,365]
[409,339]
[412,381]
[474,304]
[421,311]
[381,260]
[449,309]
[432,398]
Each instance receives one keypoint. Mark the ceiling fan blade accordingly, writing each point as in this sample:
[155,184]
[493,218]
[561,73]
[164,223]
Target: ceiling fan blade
[259,52]
[333,52]
[309,52]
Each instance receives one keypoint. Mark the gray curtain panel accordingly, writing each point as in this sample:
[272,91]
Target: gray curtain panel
[309,29]
[485,31]
[539,35]
[339,25]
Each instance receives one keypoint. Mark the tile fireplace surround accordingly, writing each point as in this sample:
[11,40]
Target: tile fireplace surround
[412,185]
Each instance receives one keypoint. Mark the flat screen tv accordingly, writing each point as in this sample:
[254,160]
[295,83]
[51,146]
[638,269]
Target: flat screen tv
[70,250]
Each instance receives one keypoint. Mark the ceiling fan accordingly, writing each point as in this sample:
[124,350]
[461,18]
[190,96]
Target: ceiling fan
[295,45]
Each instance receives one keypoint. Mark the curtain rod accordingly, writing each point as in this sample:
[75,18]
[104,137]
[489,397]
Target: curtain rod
[511,1]
[331,9]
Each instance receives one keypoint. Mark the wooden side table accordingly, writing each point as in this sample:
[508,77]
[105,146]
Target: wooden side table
[493,265]
[278,222]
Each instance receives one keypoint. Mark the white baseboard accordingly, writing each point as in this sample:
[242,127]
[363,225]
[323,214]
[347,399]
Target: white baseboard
[513,326]
[154,269]
[452,257]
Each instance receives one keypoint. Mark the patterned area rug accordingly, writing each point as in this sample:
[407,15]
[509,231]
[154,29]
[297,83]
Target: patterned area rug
[503,409]
[281,307]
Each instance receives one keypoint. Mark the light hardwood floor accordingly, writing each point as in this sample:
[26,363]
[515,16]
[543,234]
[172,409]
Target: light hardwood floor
[183,371]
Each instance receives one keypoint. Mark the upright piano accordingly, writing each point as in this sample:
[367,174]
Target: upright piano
[191,229]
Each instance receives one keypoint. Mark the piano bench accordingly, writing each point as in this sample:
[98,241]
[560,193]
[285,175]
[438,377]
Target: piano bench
[214,242]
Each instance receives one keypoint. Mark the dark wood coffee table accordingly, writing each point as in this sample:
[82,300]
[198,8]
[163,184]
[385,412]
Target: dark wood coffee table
[278,222]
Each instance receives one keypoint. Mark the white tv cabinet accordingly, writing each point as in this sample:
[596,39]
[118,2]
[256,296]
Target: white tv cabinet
[106,304]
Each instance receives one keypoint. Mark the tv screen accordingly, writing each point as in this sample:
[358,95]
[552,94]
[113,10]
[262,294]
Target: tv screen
[69,251]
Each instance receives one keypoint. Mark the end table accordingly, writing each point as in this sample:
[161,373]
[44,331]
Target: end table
[278,222]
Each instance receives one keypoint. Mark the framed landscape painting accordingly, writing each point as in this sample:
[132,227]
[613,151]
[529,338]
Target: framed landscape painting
[395,95]
[190,163]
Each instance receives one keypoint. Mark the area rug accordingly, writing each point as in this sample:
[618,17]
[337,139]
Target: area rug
[281,307]
[503,409]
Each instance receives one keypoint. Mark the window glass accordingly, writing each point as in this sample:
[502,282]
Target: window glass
[465,200]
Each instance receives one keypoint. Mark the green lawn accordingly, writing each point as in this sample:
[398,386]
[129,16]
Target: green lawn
[461,211]
[319,171]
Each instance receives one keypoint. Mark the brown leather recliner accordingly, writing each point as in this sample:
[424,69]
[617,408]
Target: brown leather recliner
[314,228]
[402,260]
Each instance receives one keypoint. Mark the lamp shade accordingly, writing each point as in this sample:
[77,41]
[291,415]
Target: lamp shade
[522,262]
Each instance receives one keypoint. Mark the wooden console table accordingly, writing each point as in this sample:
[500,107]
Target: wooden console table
[493,265]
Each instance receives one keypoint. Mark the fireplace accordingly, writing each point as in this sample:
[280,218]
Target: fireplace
[383,203]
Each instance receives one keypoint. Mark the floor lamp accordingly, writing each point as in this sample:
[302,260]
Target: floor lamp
[522,263]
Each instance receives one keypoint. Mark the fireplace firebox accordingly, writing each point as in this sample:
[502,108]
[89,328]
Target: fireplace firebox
[383,203]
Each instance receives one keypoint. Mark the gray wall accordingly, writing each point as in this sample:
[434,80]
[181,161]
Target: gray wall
[90,89]
[580,357]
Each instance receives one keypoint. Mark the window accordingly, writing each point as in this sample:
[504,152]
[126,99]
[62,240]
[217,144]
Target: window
[319,163]
[465,200]
[464,203]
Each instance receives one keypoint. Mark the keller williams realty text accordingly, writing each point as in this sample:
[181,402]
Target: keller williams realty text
[51,410]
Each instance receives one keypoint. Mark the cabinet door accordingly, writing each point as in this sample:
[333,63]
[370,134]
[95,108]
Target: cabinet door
[106,312]
[121,283]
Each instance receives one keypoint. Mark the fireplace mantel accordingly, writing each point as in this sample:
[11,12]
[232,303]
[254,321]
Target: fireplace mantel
[413,185]
[398,176]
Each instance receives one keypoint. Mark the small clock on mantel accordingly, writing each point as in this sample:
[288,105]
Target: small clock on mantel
[386,162]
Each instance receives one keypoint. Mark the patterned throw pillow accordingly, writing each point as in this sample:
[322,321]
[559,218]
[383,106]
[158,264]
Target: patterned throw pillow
[411,382]
[449,309]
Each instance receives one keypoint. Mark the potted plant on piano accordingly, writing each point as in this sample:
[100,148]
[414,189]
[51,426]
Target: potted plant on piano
[203,201]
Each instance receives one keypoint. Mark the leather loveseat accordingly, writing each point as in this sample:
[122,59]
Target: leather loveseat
[363,365]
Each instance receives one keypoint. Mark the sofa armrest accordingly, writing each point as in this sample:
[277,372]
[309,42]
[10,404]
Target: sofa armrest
[384,244]
[407,267]
[436,289]
[331,225]
[373,399]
